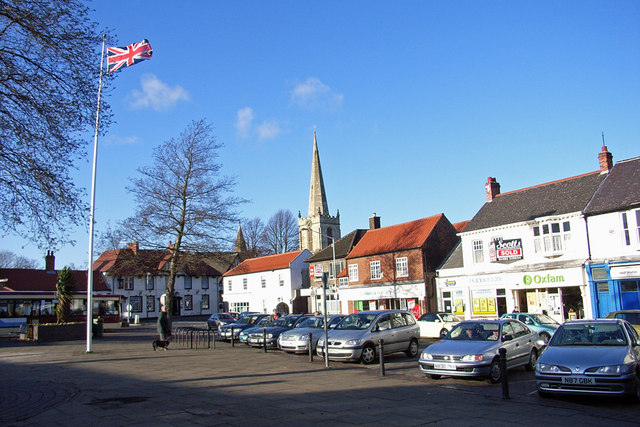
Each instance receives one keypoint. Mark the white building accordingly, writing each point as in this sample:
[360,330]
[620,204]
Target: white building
[267,283]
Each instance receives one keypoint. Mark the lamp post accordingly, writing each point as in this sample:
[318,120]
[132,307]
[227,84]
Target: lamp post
[324,295]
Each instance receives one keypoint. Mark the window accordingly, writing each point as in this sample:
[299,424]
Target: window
[204,282]
[353,272]
[263,282]
[136,304]
[188,302]
[343,281]
[281,280]
[151,303]
[148,284]
[402,267]
[631,231]
[335,268]
[244,284]
[239,307]
[552,237]
[376,272]
[229,285]
[205,302]
[478,251]
[125,283]
[187,282]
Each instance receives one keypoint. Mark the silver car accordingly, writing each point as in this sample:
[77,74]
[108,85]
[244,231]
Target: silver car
[358,335]
[591,357]
[471,349]
[296,340]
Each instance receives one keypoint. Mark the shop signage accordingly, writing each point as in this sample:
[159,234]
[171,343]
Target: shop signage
[505,250]
[311,271]
[625,272]
[449,282]
[542,278]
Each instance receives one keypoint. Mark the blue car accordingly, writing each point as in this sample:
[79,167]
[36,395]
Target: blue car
[544,325]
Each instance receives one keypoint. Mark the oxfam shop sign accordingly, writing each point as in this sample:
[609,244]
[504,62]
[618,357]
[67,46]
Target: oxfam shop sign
[536,279]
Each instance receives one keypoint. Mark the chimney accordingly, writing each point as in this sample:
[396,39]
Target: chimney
[50,261]
[492,188]
[606,160]
[134,246]
[374,222]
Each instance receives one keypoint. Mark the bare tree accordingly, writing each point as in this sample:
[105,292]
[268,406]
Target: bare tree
[281,232]
[109,238]
[49,65]
[183,199]
[253,231]
[10,260]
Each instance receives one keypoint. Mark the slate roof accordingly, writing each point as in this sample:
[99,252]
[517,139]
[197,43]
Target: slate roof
[408,235]
[265,263]
[621,189]
[343,247]
[455,259]
[27,280]
[552,198]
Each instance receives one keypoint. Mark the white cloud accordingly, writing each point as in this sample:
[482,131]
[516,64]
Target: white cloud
[268,130]
[156,94]
[121,140]
[313,93]
[244,119]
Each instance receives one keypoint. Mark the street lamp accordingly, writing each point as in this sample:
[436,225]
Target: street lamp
[324,295]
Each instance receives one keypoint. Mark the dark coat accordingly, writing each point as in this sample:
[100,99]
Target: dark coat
[163,325]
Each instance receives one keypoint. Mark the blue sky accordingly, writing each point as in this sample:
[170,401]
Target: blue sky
[415,103]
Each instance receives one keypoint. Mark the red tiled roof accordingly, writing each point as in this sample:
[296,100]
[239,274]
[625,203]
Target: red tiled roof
[408,235]
[460,226]
[265,263]
[25,280]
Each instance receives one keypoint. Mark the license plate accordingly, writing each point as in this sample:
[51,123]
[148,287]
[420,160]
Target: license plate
[289,343]
[444,366]
[578,380]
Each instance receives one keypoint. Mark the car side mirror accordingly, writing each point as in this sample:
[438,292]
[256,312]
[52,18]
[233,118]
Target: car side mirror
[507,337]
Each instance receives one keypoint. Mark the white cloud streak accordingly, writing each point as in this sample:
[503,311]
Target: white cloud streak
[268,130]
[244,120]
[312,93]
[156,94]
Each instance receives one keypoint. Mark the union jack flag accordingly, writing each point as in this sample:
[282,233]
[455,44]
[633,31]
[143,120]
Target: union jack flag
[117,57]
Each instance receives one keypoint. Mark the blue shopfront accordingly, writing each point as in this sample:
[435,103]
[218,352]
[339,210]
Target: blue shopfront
[614,286]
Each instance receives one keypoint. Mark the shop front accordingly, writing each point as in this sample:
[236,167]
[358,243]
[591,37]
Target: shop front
[560,293]
[614,286]
[388,297]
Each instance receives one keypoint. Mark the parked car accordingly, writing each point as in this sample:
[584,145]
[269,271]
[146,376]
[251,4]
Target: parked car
[591,356]
[218,319]
[437,325]
[244,322]
[544,325]
[260,324]
[631,316]
[471,349]
[296,340]
[282,324]
[357,336]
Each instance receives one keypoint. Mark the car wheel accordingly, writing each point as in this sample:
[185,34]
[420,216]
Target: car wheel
[368,354]
[412,351]
[634,397]
[495,372]
[443,332]
[533,359]
[545,337]
[435,376]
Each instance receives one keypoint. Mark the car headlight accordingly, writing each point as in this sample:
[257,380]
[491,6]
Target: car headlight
[269,335]
[472,358]
[321,342]
[304,338]
[426,356]
[609,370]
[352,342]
[549,368]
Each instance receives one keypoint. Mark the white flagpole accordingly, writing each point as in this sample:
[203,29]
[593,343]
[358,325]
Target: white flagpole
[91,213]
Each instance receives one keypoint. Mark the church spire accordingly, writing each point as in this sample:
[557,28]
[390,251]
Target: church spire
[317,196]
[241,245]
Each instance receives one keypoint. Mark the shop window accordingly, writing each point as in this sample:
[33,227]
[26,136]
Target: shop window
[478,251]
[353,272]
[136,304]
[188,302]
[402,267]
[376,271]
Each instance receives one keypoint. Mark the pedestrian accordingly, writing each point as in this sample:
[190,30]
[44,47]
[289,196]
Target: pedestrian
[276,315]
[163,324]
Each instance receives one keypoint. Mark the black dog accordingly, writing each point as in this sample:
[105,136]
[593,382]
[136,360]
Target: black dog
[160,344]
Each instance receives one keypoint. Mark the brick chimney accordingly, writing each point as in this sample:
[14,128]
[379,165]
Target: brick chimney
[134,246]
[374,222]
[492,188]
[50,261]
[606,160]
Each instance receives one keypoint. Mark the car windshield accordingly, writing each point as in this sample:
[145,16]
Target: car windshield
[633,318]
[600,334]
[265,321]
[246,320]
[287,322]
[356,321]
[474,331]
[311,322]
[544,319]
[335,320]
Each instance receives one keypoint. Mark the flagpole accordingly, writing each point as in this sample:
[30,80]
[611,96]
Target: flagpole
[91,212]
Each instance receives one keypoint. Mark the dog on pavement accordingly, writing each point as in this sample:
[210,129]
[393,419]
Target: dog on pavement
[160,344]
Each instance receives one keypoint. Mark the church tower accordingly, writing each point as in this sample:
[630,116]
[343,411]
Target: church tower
[317,230]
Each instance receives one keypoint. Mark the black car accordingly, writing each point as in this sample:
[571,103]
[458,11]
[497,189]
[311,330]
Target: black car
[244,322]
[283,324]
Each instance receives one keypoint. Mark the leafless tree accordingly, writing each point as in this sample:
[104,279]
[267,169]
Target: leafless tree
[10,260]
[253,231]
[281,232]
[183,199]
[49,66]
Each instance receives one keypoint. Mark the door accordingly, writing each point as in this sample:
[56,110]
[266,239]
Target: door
[510,345]
[605,303]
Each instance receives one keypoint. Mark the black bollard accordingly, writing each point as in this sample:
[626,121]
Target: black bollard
[381,341]
[310,335]
[264,339]
[503,370]
[233,340]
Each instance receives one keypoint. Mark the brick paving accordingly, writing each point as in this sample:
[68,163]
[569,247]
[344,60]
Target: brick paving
[123,382]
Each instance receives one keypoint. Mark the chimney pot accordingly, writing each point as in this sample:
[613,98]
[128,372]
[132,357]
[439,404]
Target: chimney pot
[606,160]
[50,261]
[374,222]
[492,188]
